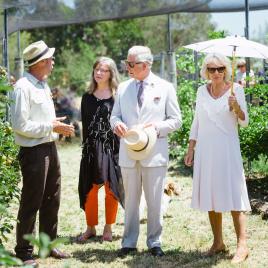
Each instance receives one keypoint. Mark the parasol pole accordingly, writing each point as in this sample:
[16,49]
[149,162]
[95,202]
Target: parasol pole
[233,70]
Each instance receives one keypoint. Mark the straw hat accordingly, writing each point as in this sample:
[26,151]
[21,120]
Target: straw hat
[36,52]
[140,142]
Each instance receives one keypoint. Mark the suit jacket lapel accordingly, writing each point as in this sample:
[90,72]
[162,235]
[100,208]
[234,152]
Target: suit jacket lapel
[133,97]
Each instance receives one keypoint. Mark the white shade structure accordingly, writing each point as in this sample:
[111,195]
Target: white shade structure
[226,46]
[232,46]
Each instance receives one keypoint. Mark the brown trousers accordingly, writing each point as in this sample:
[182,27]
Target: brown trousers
[41,174]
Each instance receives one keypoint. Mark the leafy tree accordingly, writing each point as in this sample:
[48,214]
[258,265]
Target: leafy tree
[42,9]
[120,35]
[216,35]
[74,69]
[77,47]
[262,35]
[114,38]
[186,28]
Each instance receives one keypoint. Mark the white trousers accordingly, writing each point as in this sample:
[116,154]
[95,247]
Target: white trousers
[152,179]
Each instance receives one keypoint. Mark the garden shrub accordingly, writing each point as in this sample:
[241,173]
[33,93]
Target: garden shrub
[254,138]
[7,260]
[44,243]
[9,166]
[186,92]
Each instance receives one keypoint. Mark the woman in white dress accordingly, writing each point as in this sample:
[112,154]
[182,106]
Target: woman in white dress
[219,181]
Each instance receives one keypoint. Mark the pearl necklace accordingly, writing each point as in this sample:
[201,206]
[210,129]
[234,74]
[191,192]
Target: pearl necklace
[221,92]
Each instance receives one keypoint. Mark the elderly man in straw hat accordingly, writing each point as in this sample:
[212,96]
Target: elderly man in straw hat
[241,77]
[36,126]
[145,111]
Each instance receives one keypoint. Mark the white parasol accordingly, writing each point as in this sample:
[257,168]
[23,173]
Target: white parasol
[232,46]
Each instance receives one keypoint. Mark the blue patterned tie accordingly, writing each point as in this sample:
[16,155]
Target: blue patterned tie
[140,95]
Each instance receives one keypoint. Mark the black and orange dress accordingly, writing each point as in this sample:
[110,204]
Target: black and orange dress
[100,149]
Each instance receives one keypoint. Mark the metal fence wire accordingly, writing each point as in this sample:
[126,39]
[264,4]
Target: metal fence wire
[28,14]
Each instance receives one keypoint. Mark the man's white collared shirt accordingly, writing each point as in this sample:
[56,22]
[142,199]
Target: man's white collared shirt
[32,112]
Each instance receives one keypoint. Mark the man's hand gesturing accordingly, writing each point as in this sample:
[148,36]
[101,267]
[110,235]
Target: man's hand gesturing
[62,128]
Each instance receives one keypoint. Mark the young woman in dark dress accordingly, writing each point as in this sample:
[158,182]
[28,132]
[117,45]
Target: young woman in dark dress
[99,163]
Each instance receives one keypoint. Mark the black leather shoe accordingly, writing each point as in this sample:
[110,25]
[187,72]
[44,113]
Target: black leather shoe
[30,263]
[57,254]
[157,252]
[126,251]
[28,260]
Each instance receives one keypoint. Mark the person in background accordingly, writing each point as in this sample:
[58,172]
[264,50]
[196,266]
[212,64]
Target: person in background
[219,183]
[12,80]
[65,106]
[36,127]
[62,105]
[148,101]
[241,74]
[99,163]
[72,94]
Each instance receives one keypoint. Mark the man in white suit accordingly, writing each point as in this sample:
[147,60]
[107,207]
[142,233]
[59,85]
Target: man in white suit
[148,101]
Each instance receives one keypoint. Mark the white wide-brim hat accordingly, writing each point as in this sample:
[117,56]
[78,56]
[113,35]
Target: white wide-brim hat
[140,141]
[36,52]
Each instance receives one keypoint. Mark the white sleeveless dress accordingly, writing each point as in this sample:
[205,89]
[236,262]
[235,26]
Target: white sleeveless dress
[218,180]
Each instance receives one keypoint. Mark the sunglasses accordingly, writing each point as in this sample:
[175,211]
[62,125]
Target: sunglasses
[132,64]
[218,69]
[240,66]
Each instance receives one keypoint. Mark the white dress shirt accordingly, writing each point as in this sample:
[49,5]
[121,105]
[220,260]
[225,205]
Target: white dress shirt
[32,112]
[241,77]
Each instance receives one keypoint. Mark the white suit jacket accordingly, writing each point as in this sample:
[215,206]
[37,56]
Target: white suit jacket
[160,107]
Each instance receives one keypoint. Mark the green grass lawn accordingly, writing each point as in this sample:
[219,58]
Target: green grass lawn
[186,232]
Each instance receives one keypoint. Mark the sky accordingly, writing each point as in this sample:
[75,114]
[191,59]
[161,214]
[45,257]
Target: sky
[234,22]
